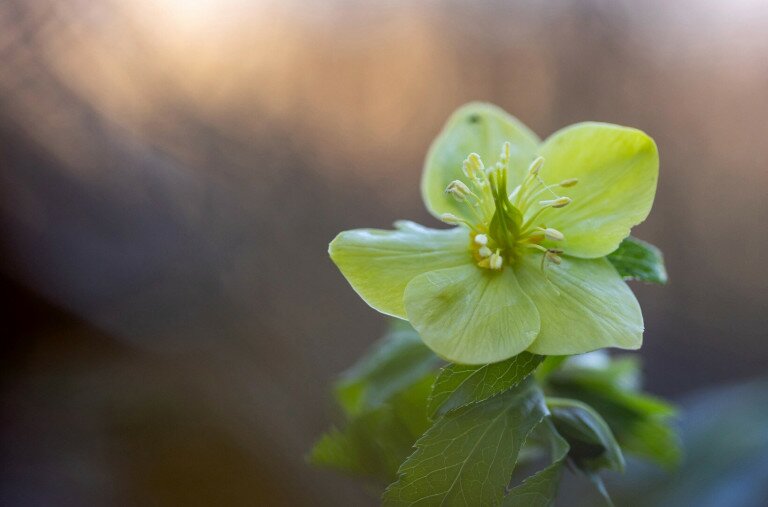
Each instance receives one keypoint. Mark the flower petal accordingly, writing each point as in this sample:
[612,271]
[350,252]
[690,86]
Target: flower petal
[474,128]
[617,168]
[471,315]
[379,264]
[584,306]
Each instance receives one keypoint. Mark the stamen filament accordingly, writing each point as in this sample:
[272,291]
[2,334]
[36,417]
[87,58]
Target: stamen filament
[526,227]
[451,219]
[535,247]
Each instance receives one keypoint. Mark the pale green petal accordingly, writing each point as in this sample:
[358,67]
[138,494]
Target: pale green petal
[474,128]
[617,168]
[379,264]
[584,306]
[471,315]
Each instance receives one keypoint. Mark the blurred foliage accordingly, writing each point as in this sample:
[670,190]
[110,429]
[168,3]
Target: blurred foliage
[725,437]
[487,420]
[384,402]
[640,422]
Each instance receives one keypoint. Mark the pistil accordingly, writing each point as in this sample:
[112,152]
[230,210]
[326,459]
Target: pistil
[501,225]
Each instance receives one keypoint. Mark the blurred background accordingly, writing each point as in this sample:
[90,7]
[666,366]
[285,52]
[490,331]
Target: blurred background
[171,172]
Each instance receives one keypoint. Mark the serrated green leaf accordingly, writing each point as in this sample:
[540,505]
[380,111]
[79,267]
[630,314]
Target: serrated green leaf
[540,489]
[468,455]
[593,446]
[458,385]
[635,259]
[375,443]
[395,362]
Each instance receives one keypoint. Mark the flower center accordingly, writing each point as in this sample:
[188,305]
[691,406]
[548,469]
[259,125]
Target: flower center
[504,227]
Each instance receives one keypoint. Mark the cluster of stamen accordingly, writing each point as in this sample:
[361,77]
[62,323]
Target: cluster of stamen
[504,226]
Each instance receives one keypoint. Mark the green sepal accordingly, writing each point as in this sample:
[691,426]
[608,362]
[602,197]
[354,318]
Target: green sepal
[617,169]
[473,128]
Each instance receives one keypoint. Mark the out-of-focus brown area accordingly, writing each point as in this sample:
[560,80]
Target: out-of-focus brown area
[171,173]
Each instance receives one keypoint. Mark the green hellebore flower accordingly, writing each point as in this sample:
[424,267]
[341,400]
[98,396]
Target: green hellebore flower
[525,267]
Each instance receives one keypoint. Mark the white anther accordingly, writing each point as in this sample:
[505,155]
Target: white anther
[496,261]
[556,203]
[535,166]
[553,234]
[569,182]
[481,239]
[450,218]
[473,166]
[458,190]
[484,251]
